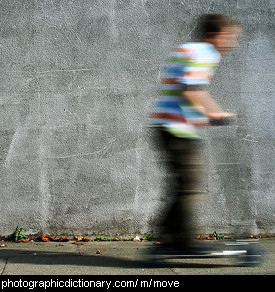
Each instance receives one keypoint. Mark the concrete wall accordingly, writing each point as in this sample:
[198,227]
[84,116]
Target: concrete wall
[76,81]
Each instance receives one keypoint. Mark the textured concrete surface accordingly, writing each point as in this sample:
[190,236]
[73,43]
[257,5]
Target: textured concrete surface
[77,80]
[118,258]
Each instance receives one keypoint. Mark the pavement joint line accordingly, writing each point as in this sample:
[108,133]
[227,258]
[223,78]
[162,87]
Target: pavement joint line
[6,262]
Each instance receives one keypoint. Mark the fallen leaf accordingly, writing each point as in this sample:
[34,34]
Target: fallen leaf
[44,238]
[81,238]
[210,237]
[200,237]
[100,251]
[62,239]
[24,240]
[116,239]
[136,239]
[78,237]
[2,245]
[156,242]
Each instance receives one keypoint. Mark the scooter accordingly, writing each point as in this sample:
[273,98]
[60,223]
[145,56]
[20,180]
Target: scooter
[246,253]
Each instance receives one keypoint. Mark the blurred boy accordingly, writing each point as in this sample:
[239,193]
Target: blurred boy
[182,111]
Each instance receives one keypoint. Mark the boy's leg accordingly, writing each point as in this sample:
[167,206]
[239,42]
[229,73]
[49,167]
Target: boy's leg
[185,157]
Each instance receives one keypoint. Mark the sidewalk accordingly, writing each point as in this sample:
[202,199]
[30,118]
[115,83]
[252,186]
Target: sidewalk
[117,258]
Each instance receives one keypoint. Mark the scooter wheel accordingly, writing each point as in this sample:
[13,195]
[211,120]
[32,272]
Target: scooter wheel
[254,257]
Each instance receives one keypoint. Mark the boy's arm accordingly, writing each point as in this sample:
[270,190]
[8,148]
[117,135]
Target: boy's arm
[210,107]
[195,82]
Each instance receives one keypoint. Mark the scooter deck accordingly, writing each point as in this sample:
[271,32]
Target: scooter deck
[212,254]
[241,242]
[218,250]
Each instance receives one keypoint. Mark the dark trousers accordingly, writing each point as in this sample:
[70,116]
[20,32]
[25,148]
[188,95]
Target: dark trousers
[185,161]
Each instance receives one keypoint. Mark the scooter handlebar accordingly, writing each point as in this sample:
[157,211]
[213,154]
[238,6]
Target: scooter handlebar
[226,121]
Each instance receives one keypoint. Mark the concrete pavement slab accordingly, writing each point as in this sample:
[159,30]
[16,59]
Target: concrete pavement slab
[50,258]
[117,258]
[2,265]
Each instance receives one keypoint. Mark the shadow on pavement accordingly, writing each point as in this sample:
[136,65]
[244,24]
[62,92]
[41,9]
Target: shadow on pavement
[35,257]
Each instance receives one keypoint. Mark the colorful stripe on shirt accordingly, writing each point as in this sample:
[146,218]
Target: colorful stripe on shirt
[191,64]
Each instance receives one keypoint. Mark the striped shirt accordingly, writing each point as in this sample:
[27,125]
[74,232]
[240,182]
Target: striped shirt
[190,67]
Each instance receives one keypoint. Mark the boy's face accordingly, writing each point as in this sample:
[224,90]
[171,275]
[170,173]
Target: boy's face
[227,39]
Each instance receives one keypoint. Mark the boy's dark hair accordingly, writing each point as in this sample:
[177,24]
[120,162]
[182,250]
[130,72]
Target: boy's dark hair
[214,23]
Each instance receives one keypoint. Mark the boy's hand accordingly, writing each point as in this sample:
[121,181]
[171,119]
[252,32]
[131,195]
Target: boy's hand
[221,118]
